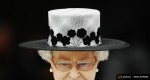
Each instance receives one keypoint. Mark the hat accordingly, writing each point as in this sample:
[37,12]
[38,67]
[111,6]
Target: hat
[74,29]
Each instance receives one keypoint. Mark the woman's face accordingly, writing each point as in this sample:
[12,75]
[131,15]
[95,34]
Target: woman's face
[74,65]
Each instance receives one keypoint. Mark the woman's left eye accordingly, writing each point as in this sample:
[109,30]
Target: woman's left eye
[84,64]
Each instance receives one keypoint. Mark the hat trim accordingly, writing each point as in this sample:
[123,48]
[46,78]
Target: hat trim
[71,34]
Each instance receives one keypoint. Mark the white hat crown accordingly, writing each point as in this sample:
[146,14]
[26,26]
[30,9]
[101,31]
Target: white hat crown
[77,27]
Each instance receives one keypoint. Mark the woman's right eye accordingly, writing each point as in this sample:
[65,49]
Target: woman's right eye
[64,64]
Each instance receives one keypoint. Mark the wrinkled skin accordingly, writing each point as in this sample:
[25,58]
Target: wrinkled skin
[74,73]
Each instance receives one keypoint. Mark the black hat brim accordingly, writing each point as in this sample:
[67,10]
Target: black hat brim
[107,44]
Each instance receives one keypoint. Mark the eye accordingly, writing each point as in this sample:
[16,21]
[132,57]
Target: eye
[63,66]
[84,63]
[63,63]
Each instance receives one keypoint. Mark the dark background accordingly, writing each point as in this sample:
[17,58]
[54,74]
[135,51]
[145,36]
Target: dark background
[22,20]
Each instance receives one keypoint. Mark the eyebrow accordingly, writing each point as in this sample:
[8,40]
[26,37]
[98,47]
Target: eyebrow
[64,61]
[84,62]
[87,58]
[63,58]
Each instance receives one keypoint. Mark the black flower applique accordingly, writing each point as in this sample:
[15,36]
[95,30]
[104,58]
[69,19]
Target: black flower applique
[86,40]
[97,39]
[59,37]
[65,40]
[98,32]
[81,33]
[71,33]
[54,40]
[92,35]
[51,32]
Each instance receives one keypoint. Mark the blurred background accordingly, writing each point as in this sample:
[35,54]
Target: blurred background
[22,20]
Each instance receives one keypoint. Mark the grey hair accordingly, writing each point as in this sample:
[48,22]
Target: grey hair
[46,55]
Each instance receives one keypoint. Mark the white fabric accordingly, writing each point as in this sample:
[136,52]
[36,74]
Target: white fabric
[62,20]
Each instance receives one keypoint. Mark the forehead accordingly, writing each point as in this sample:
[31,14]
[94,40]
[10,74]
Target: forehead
[78,55]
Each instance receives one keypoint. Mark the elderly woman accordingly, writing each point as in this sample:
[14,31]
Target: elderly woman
[74,65]
[74,47]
